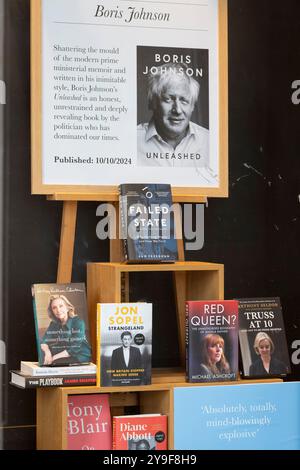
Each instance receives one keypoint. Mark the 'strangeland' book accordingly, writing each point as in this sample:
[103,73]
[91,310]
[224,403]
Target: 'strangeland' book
[262,338]
[211,341]
[89,422]
[140,432]
[61,324]
[124,344]
[147,223]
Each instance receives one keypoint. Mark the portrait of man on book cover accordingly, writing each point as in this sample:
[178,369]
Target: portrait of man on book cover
[173,110]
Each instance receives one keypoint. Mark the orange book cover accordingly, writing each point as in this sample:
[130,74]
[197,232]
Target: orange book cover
[140,432]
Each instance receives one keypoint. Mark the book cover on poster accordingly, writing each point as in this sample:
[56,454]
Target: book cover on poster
[89,422]
[124,341]
[211,341]
[263,343]
[140,432]
[61,324]
[147,223]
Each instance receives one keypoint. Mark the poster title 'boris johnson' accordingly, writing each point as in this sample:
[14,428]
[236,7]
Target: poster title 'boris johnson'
[131,14]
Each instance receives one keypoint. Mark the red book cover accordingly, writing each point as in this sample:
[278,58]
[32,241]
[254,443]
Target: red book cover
[89,422]
[140,432]
[212,341]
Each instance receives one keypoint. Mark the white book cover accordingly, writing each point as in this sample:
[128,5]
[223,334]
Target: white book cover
[33,369]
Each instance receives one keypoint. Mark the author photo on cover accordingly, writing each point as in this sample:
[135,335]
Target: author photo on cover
[170,138]
[64,341]
[127,356]
[267,363]
[214,363]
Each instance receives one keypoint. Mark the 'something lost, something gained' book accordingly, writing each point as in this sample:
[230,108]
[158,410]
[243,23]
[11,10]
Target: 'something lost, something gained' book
[147,223]
[211,341]
[124,340]
[262,338]
[61,323]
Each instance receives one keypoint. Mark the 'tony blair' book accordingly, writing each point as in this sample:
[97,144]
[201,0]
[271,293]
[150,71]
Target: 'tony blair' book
[89,422]
[140,432]
[147,223]
[211,341]
[262,338]
[124,344]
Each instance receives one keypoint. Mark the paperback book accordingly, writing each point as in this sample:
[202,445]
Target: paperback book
[61,323]
[29,381]
[263,344]
[124,340]
[140,432]
[33,368]
[211,341]
[147,223]
[89,422]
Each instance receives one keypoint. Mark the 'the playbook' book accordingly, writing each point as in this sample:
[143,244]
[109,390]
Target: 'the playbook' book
[211,341]
[262,338]
[147,223]
[61,324]
[124,341]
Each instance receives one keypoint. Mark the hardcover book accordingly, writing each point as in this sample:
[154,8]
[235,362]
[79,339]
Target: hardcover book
[140,432]
[30,381]
[124,339]
[211,341]
[262,338]
[147,223]
[33,368]
[89,422]
[61,323]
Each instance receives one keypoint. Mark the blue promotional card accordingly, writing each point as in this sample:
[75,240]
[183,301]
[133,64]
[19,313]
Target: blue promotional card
[238,417]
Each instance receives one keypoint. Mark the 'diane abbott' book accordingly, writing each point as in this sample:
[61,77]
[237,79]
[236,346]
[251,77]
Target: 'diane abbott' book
[147,223]
[262,338]
[212,341]
[124,342]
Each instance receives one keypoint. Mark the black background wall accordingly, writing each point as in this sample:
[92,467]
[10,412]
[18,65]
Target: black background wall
[255,232]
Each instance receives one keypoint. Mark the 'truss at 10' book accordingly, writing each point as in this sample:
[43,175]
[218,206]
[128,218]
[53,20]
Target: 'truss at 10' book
[211,341]
[147,223]
[124,343]
[262,337]
[89,422]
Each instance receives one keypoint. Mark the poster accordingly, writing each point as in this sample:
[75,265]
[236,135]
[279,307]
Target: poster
[129,93]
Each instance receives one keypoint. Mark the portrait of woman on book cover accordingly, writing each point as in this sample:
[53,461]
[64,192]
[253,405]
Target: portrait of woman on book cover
[266,363]
[65,340]
[214,365]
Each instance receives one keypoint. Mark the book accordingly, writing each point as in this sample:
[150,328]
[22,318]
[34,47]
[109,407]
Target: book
[211,341]
[124,344]
[27,381]
[33,368]
[89,422]
[263,344]
[147,223]
[61,324]
[140,432]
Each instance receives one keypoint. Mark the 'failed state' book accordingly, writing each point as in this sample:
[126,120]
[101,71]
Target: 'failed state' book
[211,341]
[89,422]
[140,432]
[147,223]
[124,340]
[262,338]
